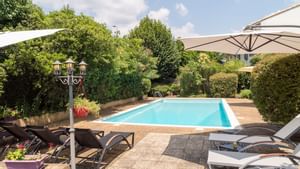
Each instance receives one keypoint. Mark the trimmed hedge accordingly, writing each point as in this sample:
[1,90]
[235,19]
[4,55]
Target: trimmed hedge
[223,84]
[276,87]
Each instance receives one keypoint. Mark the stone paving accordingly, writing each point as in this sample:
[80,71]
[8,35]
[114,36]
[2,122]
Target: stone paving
[165,151]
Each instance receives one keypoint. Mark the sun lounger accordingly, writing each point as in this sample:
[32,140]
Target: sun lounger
[88,139]
[53,138]
[22,136]
[282,135]
[243,160]
[6,139]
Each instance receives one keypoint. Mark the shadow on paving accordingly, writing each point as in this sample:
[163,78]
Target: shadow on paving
[88,158]
[190,147]
[242,104]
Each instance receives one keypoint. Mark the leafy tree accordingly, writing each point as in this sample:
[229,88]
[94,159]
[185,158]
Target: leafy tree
[116,66]
[30,85]
[208,66]
[21,14]
[158,38]
[190,79]
[186,56]
[232,66]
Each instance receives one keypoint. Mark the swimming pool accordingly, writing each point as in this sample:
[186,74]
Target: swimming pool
[204,113]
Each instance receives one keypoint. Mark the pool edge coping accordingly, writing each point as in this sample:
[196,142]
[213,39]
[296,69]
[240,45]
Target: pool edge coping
[231,116]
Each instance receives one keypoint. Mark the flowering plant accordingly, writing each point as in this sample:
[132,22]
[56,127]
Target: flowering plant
[18,154]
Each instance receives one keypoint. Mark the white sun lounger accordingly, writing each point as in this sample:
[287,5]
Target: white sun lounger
[282,135]
[242,160]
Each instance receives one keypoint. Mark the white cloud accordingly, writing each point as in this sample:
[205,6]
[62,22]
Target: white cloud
[181,9]
[162,14]
[122,13]
[185,30]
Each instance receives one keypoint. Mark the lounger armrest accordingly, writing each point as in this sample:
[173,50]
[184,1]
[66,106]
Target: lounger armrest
[255,127]
[98,132]
[114,137]
[60,131]
[271,137]
[244,149]
[292,158]
[123,139]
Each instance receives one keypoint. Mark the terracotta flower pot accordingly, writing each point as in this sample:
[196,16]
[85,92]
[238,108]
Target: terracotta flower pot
[80,112]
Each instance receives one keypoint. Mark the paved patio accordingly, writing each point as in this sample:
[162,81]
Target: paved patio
[165,151]
[163,147]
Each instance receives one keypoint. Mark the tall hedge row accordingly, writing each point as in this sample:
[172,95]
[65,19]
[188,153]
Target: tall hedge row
[276,87]
[223,84]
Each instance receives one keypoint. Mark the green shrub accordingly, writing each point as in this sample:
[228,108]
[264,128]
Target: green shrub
[190,83]
[2,79]
[190,79]
[146,83]
[164,90]
[276,87]
[175,89]
[223,84]
[92,106]
[8,112]
[232,66]
[246,94]
[244,79]
[255,59]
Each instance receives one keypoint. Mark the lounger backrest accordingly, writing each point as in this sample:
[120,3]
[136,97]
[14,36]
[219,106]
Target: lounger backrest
[45,134]
[297,151]
[86,138]
[16,131]
[289,129]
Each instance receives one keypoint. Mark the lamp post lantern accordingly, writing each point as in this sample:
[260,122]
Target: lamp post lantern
[70,80]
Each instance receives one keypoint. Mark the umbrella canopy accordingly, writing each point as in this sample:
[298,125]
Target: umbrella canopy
[282,20]
[246,69]
[9,38]
[261,41]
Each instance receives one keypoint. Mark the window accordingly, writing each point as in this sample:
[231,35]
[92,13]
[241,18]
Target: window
[246,57]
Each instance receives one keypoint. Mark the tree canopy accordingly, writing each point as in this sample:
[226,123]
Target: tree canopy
[158,38]
[116,66]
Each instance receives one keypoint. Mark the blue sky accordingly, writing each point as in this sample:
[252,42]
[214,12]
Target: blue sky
[183,17]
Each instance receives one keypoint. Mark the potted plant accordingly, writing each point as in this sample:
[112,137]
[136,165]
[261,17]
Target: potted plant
[83,107]
[18,160]
[8,114]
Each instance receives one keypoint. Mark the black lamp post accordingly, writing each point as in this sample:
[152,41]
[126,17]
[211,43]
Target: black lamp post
[70,80]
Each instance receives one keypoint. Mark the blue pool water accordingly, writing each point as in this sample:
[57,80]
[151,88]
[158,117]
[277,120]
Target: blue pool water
[179,112]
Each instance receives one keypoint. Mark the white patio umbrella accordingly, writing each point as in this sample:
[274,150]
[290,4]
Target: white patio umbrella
[9,38]
[246,69]
[261,41]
